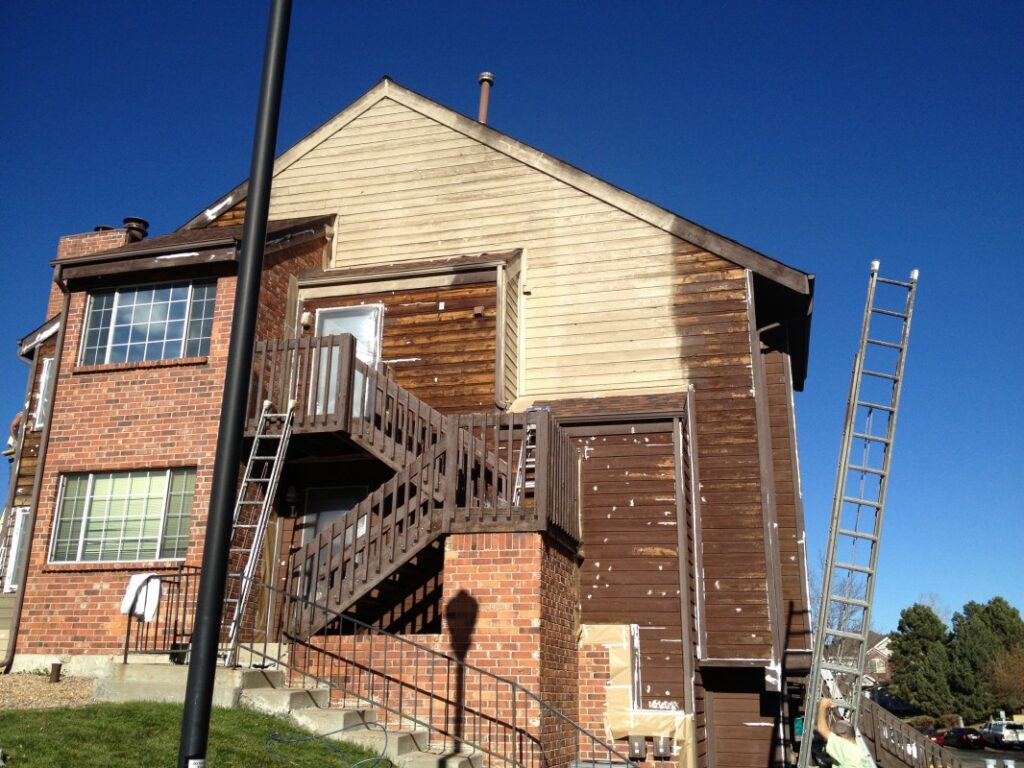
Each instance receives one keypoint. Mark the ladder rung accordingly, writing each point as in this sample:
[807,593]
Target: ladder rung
[850,600]
[859,468]
[880,374]
[876,438]
[862,502]
[845,633]
[889,312]
[852,567]
[889,344]
[836,667]
[250,502]
[876,406]
[890,281]
[858,534]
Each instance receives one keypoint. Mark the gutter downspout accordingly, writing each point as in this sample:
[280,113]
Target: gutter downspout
[44,441]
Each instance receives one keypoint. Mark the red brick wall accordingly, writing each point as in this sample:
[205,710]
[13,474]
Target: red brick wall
[277,270]
[508,609]
[117,417]
[88,243]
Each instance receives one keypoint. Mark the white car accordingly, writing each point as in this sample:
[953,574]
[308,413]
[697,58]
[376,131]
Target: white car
[1003,734]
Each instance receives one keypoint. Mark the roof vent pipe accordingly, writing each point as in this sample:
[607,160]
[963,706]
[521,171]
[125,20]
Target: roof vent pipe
[486,81]
[137,228]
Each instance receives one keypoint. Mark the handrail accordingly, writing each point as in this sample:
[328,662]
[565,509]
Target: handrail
[170,631]
[894,744]
[486,712]
[467,483]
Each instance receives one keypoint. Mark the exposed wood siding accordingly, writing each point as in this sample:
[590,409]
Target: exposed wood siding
[231,217]
[630,573]
[446,357]
[788,503]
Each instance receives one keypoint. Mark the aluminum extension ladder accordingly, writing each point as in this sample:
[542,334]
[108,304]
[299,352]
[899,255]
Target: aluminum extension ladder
[252,511]
[848,580]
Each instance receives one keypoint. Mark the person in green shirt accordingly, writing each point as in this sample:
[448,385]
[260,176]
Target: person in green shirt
[841,741]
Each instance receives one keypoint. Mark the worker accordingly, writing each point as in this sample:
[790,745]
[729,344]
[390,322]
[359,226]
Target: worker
[840,740]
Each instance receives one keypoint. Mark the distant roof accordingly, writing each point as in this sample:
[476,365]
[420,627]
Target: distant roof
[195,239]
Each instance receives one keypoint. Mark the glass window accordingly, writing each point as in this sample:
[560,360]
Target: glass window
[111,516]
[153,322]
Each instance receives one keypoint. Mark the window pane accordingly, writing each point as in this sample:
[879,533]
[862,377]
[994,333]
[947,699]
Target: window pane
[123,517]
[150,323]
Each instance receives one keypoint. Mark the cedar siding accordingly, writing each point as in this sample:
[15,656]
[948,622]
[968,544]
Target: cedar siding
[443,356]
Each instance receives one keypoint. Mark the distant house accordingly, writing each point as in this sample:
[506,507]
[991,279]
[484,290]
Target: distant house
[878,660]
[526,403]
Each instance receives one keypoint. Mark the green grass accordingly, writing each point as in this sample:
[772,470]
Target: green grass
[146,734]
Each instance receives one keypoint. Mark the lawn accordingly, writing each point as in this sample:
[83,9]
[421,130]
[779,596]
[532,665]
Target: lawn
[146,734]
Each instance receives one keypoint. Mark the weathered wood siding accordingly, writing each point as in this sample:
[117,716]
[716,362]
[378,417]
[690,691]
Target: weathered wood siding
[443,356]
[788,503]
[28,460]
[631,570]
[598,282]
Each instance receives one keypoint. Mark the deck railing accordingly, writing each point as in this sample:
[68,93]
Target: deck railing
[894,744]
[169,629]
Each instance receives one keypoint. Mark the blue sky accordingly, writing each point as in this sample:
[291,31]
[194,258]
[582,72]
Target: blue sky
[822,134]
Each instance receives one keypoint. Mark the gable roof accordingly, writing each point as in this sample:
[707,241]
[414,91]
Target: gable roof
[790,277]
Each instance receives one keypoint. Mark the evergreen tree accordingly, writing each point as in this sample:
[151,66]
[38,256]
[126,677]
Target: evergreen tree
[982,637]
[920,661]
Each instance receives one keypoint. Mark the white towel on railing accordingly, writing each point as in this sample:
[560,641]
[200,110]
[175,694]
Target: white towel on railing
[141,603]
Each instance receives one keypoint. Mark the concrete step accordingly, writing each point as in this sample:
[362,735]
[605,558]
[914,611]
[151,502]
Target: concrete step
[394,745]
[442,760]
[281,701]
[167,682]
[327,721]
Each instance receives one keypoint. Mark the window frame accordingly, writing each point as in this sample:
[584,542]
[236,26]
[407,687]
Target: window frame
[42,410]
[108,343]
[89,499]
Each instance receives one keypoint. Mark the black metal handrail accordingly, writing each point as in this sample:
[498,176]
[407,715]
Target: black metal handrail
[464,706]
[170,630]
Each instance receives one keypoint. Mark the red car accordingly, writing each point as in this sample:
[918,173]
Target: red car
[964,738]
[934,735]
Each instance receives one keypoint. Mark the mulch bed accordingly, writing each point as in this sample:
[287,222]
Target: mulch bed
[28,691]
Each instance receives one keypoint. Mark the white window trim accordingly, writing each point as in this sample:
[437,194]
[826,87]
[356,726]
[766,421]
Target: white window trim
[113,314]
[42,409]
[87,511]
[19,531]
[378,330]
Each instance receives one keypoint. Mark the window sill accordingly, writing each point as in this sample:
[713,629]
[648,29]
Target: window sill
[173,362]
[127,566]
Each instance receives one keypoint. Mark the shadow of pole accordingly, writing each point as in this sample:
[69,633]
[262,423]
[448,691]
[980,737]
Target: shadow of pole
[461,614]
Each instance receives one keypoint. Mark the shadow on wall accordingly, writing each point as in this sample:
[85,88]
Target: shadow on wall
[461,614]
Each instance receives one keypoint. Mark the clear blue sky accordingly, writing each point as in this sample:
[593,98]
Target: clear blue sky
[822,134]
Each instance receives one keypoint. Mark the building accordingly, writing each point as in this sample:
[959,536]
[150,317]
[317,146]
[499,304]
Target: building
[564,434]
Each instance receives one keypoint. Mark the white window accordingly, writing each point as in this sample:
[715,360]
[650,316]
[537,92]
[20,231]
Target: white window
[17,549]
[112,516]
[43,396]
[153,322]
[876,665]
[365,322]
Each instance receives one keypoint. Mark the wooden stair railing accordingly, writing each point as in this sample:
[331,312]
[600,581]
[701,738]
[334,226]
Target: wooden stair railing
[894,744]
[336,392]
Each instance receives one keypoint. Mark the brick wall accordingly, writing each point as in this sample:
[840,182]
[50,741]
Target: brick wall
[88,243]
[150,415]
[508,604]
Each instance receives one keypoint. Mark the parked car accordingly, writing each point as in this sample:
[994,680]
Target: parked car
[934,735]
[964,738]
[1003,734]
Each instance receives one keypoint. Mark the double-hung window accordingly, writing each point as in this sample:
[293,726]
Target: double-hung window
[154,322]
[112,516]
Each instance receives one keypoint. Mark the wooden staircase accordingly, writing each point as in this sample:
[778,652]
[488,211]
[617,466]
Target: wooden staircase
[464,473]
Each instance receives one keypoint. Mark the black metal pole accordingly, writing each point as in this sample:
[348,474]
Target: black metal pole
[195,724]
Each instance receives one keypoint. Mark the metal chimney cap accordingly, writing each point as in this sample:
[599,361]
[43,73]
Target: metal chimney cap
[487,77]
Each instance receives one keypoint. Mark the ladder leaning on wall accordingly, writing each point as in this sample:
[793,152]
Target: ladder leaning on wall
[848,579]
[252,511]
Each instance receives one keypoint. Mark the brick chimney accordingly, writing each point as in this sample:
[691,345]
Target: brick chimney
[102,238]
